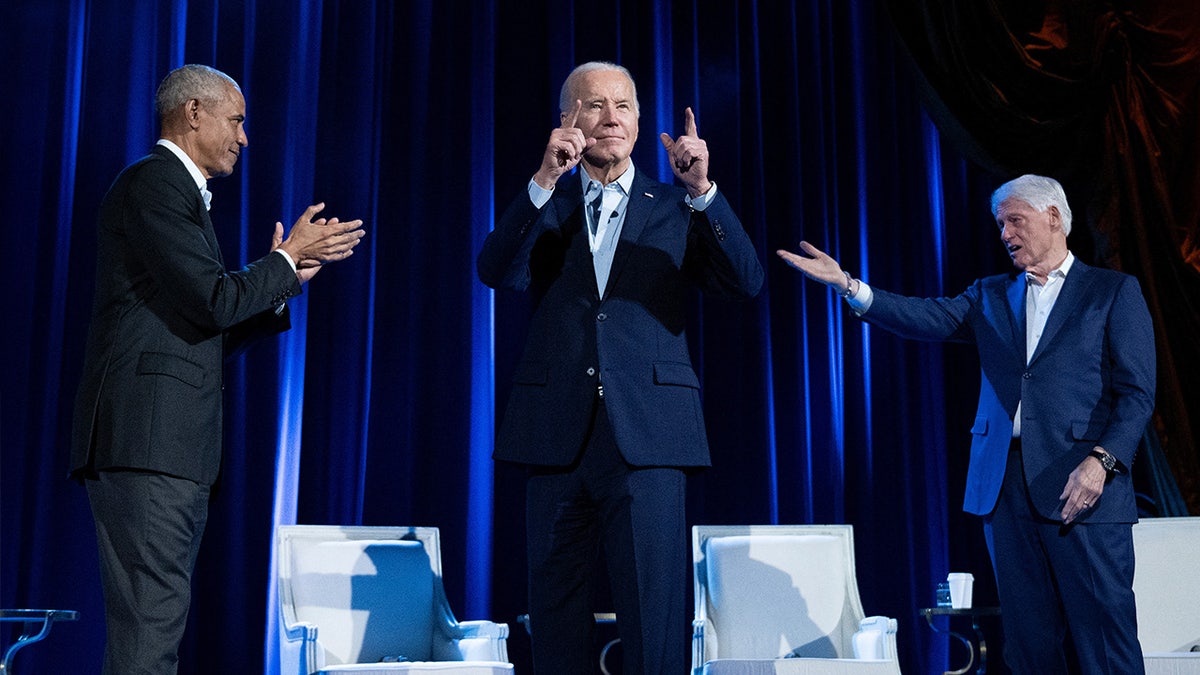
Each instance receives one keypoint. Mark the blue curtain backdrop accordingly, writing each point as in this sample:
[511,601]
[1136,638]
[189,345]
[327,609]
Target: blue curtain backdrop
[423,118]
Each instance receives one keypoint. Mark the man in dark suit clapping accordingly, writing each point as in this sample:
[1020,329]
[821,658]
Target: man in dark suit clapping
[147,425]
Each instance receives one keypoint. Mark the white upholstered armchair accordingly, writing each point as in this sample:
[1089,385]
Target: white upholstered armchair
[370,600]
[783,599]
[1166,588]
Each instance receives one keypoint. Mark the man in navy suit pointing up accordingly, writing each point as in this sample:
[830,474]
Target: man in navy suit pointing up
[605,408]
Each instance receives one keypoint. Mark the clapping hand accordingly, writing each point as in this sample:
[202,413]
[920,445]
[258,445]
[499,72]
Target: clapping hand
[313,242]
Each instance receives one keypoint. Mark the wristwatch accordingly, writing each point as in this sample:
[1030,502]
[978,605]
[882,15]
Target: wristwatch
[1106,460]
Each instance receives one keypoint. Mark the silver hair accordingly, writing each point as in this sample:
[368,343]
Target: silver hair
[1039,192]
[567,98]
[205,84]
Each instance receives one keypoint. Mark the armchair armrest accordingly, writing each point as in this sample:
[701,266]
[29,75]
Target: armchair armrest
[697,645]
[473,641]
[876,639]
[299,651]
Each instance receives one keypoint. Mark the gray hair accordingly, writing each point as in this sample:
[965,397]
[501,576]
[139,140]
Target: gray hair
[567,98]
[1039,192]
[205,84]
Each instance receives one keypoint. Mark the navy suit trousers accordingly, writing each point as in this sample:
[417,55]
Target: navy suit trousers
[635,515]
[1058,581]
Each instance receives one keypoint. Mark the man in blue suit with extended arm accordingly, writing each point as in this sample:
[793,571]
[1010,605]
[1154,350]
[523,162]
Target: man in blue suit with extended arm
[605,408]
[1067,358]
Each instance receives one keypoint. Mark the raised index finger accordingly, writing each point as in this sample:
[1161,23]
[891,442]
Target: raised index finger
[569,119]
[689,122]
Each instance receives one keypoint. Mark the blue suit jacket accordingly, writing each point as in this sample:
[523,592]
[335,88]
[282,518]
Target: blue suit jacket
[1090,382]
[632,339]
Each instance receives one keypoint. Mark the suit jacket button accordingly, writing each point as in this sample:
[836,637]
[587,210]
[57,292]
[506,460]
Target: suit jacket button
[1027,375]
[591,372]
[601,316]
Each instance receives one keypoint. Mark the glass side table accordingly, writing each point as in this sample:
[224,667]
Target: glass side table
[974,613]
[36,625]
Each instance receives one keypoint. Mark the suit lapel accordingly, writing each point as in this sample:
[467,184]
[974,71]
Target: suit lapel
[1074,289]
[188,186]
[568,205]
[643,197]
[210,234]
[1016,314]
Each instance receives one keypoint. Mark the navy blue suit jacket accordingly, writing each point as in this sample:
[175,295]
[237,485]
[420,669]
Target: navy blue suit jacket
[1090,381]
[632,339]
[166,313]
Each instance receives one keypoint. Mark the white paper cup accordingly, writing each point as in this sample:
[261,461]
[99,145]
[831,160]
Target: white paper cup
[961,586]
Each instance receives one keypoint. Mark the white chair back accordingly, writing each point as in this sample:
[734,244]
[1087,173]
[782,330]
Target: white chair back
[1166,584]
[777,591]
[372,599]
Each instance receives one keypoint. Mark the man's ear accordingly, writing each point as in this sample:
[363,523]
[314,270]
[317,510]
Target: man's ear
[191,111]
[1055,216]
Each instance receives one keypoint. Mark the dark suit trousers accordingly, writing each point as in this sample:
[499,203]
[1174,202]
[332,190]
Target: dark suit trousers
[148,527]
[1055,581]
[636,517]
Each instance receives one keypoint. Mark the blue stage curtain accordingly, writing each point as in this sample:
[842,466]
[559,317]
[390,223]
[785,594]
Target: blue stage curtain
[1103,96]
[423,118]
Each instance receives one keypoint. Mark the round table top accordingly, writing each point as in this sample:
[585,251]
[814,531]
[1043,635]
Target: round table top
[38,614]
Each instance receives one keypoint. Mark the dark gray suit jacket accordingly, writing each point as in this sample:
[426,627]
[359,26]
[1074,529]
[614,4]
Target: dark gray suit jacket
[165,315]
[632,339]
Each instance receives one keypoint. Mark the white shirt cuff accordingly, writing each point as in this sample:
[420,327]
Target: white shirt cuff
[538,194]
[860,302]
[287,258]
[700,203]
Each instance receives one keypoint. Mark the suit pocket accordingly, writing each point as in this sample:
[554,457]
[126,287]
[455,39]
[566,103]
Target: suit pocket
[980,427]
[677,374]
[157,363]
